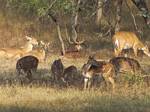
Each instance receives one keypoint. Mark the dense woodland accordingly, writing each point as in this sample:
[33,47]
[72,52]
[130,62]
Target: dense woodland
[90,20]
[33,17]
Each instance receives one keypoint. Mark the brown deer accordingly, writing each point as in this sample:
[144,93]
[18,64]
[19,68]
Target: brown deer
[102,68]
[126,40]
[70,75]
[57,69]
[10,53]
[27,65]
[125,64]
[76,46]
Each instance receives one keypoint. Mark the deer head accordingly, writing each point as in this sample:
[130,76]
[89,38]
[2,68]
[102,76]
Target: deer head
[146,50]
[74,38]
[33,41]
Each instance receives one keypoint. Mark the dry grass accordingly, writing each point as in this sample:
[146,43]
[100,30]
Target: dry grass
[50,99]
[37,99]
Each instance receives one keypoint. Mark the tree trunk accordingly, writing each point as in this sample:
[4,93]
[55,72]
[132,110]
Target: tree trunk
[99,12]
[59,33]
[75,21]
[61,40]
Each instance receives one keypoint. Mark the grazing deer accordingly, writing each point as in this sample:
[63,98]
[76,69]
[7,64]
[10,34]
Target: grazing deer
[124,64]
[57,70]
[93,67]
[70,75]
[39,53]
[10,53]
[126,40]
[27,65]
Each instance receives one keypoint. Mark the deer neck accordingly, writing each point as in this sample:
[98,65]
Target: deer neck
[140,46]
[147,53]
[28,47]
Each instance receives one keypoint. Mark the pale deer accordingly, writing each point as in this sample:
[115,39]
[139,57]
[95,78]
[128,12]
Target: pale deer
[10,53]
[102,68]
[39,53]
[126,40]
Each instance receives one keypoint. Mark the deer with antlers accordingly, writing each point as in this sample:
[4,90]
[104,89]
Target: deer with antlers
[76,46]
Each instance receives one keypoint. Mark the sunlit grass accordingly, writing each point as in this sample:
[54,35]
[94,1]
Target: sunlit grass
[65,100]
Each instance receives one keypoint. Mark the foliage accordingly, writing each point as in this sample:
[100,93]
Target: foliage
[37,7]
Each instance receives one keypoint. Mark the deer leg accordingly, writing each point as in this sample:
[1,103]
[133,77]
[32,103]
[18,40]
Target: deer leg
[29,75]
[89,83]
[85,83]
[117,52]
[112,81]
[135,51]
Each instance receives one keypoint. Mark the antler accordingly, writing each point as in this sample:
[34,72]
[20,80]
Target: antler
[74,37]
[68,37]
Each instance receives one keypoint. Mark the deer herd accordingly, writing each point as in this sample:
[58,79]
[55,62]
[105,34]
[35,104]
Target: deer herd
[28,59]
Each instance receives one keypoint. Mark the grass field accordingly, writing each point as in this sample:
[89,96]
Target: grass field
[135,98]
[25,99]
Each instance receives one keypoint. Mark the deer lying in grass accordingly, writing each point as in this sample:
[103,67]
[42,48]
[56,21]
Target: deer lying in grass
[124,64]
[10,53]
[67,75]
[70,75]
[102,68]
[27,65]
[126,40]
[57,70]
[73,51]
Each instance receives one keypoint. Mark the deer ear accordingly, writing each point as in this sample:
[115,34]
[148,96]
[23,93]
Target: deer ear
[28,38]
[91,56]
[42,43]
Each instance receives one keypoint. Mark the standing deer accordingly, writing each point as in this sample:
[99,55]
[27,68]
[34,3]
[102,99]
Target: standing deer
[102,68]
[126,40]
[10,53]
[124,64]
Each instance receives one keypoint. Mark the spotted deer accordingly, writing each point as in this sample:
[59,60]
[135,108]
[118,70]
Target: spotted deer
[126,40]
[102,68]
[10,53]
[73,51]
[125,64]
